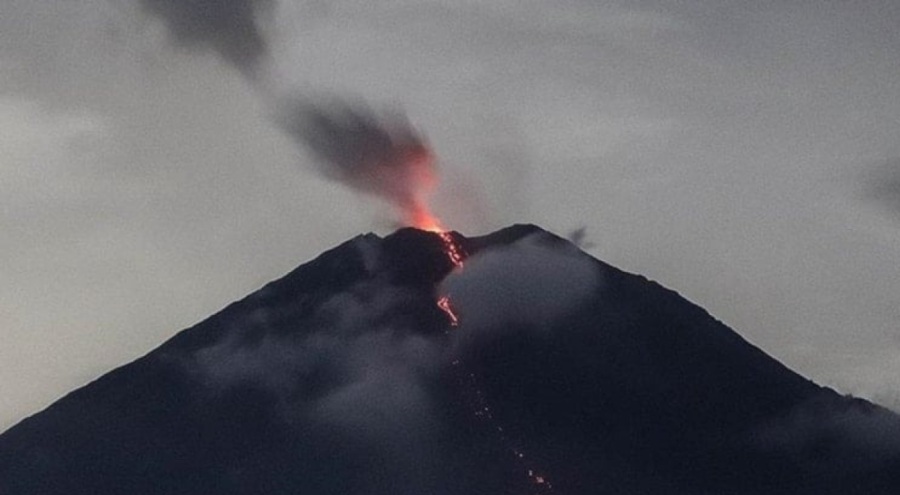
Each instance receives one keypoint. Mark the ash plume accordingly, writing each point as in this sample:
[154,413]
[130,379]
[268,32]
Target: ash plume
[228,27]
[374,154]
[883,185]
[579,237]
[379,154]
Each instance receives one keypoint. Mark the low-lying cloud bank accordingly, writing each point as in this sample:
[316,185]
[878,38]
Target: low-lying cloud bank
[531,283]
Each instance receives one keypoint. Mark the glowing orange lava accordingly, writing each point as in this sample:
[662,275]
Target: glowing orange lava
[453,250]
[418,215]
[416,212]
[444,304]
[426,221]
[421,218]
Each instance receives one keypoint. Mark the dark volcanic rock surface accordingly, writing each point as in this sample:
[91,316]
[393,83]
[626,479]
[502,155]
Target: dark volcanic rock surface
[344,377]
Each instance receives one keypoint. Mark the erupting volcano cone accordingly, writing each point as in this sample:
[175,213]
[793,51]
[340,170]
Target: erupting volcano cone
[561,375]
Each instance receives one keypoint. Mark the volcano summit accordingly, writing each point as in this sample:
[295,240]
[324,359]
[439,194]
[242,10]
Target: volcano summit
[542,370]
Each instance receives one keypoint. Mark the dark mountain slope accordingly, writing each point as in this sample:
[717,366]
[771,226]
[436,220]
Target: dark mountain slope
[565,375]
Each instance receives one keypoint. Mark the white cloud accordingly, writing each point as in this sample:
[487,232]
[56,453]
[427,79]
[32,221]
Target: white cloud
[530,283]
[346,366]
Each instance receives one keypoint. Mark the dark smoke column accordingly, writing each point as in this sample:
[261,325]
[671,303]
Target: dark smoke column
[377,154]
[228,27]
[380,156]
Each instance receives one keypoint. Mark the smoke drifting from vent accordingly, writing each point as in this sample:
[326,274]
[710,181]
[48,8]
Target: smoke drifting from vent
[228,27]
[377,154]
[882,185]
[384,157]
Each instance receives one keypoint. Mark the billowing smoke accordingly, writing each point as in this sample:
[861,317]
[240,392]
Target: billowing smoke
[379,154]
[883,185]
[228,27]
[579,238]
[384,157]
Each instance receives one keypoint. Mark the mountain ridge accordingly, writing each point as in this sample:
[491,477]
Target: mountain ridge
[344,376]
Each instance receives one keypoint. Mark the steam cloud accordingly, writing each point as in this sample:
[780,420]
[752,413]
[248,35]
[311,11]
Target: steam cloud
[379,154]
[528,284]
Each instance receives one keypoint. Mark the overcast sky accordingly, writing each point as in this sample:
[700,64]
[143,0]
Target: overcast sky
[745,154]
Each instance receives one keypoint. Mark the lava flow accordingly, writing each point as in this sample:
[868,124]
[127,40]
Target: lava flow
[455,254]
[444,303]
[418,214]
[453,250]
[423,219]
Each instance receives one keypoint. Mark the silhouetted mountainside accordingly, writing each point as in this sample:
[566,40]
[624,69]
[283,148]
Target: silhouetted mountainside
[565,375]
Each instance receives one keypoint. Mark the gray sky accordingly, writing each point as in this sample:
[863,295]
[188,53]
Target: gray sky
[745,154]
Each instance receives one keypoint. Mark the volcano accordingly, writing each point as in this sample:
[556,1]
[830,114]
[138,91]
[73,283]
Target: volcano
[542,370]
